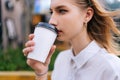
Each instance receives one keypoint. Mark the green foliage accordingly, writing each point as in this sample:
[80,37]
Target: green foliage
[51,66]
[119,56]
[14,60]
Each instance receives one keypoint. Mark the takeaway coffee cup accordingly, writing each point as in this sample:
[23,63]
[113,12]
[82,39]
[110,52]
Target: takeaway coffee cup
[45,35]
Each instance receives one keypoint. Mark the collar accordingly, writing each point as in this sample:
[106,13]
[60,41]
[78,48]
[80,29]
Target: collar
[85,54]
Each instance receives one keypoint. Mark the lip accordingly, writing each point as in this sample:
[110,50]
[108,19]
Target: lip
[59,31]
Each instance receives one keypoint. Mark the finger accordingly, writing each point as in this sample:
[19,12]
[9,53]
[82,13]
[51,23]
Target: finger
[29,44]
[24,52]
[31,36]
[52,49]
[50,55]
[34,64]
[27,50]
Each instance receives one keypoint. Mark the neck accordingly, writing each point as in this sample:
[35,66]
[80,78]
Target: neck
[79,43]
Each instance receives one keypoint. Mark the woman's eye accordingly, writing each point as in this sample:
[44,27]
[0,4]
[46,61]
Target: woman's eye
[61,11]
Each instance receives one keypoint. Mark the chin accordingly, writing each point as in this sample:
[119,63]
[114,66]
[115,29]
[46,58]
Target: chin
[61,39]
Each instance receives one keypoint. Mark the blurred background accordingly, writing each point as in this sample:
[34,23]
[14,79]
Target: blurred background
[17,20]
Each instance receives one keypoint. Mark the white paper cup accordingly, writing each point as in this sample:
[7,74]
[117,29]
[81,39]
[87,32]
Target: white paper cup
[45,35]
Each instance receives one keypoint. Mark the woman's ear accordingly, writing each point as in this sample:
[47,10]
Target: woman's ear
[89,14]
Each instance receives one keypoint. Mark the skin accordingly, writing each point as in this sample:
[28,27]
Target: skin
[69,19]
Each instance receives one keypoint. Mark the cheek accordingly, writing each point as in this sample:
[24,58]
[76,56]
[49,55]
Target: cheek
[71,26]
[74,28]
[74,20]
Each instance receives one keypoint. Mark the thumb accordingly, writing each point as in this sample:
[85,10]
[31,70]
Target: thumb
[52,50]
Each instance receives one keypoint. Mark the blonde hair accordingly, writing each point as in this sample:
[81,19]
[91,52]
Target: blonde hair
[101,27]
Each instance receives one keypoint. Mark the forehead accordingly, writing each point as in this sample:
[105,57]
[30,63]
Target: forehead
[56,3]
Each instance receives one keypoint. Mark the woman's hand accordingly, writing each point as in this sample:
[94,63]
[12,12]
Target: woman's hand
[37,66]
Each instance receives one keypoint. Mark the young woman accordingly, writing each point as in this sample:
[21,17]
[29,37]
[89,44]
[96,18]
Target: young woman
[88,28]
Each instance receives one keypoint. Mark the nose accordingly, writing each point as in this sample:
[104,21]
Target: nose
[53,20]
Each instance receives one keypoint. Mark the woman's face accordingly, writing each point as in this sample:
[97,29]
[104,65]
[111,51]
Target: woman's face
[68,19]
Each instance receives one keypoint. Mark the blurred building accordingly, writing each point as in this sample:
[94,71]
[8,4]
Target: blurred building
[16,19]
[0,26]
[19,18]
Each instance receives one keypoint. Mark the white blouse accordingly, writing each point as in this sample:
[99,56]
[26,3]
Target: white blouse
[92,63]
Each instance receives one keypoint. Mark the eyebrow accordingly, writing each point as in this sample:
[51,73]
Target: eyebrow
[58,7]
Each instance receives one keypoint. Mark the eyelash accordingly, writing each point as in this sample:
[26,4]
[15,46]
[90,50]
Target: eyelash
[60,11]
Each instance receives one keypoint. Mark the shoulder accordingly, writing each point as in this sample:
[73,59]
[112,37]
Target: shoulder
[107,64]
[111,62]
[111,59]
